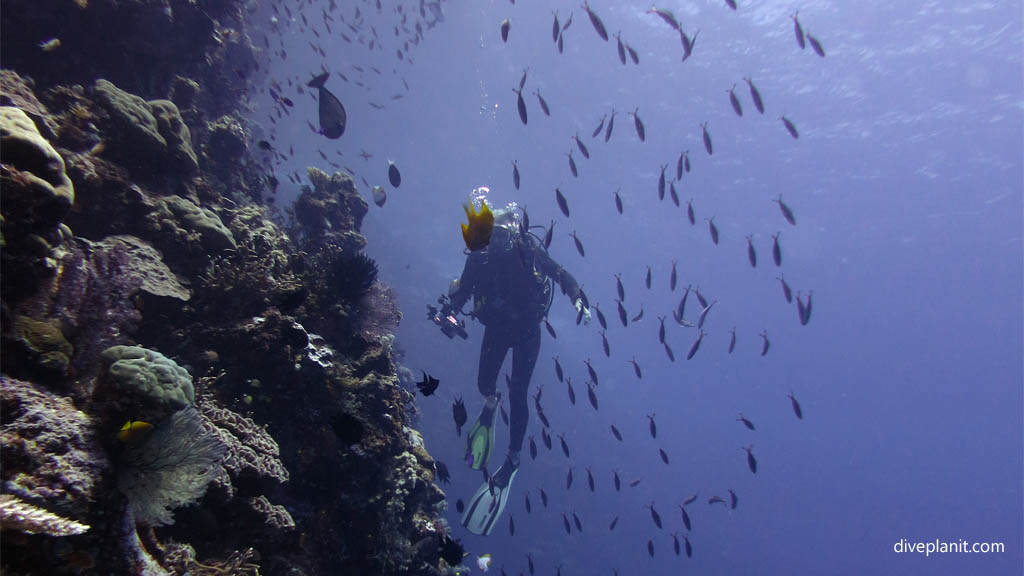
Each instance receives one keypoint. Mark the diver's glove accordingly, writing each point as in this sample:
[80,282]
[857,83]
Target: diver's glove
[586,311]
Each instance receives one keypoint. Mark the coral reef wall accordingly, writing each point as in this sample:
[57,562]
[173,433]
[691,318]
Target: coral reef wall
[191,383]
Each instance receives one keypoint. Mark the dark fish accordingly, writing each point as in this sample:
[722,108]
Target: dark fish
[675,543]
[816,45]
[572,395]
[695,346]
[515,174]
[681,310]
[521,105]
[731,4]
[544,421]
[632,54]
[442,472]
[543,497]
[561,437]
[689,548]
[635,483]
[550,328]
[661,330]
[612,525]
[619,288]
[736,107]
[690,500]
[647,278]
[596,22]
[786,291]
[733,500]
[511,525]
[704,314]
[806,316]
[755,95]
[713,230]
[526,501]
[641,133]
[428,384]
[522,79]
[572,166]
[600,317]
[796,406]
[565,524]
[555,28]
[766,344]
[746,422]
[545,437]
[394,176]
[638,316]
[654,515]
[264,145]
[543,103]
[751,461]
[548,235]
[686,161]
[591,395]
[776,250]
[686,517]
[610,126]
[732,340]
[650,548]
[689,212]
[673,277]
[688,43]
[600,126]
[800,308]
[621,48]
[790,127]
[533,448]
[605,346]
[560,44]
[616,433]
[562,204]
[666,15]
[590,479]
[576,521]
[529,558]
[716,500]
[664,455]
[798,30]
[460,506]
[622,314]
[287,102]
[505,24]
[707,138]
[787,213]
[380,196]
[636,370]
[568,479]
[661,182]
[615,478]
[668,352]
[579,245]
[332,113]
[459,414]
[751,253]
[581,146]
[652,426]
[558,368]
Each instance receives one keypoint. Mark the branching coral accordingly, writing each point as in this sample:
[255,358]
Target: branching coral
[15,514]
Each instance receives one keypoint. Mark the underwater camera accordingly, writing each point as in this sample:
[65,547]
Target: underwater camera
[446,320]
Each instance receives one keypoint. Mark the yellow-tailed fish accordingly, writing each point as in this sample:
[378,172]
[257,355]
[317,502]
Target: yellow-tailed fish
[477,233]
[132,429]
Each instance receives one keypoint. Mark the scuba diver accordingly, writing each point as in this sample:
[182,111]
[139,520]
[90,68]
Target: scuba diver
[510,280]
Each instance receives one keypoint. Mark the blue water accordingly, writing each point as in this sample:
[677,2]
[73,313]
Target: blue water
[906,183]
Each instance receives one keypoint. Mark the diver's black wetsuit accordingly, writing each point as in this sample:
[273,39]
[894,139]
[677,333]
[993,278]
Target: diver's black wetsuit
[508,282]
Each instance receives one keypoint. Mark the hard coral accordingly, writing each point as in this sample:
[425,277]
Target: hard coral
[50,452]
[145,383]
